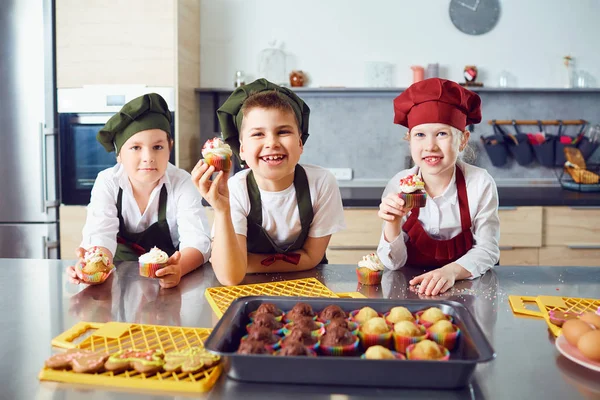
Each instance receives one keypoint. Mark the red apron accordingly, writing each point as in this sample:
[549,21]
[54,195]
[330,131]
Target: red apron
[424,251]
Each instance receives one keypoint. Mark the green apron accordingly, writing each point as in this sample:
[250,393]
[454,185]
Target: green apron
[258,240]
[132,245]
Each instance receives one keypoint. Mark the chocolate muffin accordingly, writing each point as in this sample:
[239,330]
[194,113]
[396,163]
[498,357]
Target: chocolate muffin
[338,322]
[301,336]
[264,335]
[337,336]
[269,308]
[331,312]
[294,349]
[266,321]
[300,310]
[252,347]
[305,323]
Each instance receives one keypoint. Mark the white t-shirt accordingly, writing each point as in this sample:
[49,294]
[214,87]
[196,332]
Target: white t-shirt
[281,218]
[187,220]
[440,218]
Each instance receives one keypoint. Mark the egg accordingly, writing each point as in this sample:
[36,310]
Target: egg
[591,318]
[589,345]
[573,329]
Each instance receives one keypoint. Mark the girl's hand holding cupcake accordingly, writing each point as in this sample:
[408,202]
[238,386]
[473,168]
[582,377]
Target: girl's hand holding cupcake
[215,192]
[73,277]
[392,210]
[170,276]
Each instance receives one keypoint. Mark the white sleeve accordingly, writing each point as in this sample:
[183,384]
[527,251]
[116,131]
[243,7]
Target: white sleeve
[393,255]
[328,210]
[192,224]
[239,205]
[485,252]
[102,223]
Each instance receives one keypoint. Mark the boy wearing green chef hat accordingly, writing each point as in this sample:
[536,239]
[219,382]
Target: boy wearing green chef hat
[278,215]
[144,201]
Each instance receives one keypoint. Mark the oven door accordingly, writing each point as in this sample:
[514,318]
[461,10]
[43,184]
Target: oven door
[82,157]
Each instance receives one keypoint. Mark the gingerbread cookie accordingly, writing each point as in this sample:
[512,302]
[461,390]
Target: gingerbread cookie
[558,318]
[144,362]
[191,360]
[84,361]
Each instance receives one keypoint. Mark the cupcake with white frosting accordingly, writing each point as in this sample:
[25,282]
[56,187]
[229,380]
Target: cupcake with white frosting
[370,270]
[218,154]
[412,191]
[152,261]
[95,267]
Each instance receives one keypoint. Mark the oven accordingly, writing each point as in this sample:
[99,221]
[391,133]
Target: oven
[82,113]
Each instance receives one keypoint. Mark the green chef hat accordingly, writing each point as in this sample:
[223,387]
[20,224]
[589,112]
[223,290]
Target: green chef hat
[149,111]
[230,115]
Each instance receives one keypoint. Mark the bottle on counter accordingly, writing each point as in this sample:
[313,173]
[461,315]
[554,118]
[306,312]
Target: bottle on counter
[240,79]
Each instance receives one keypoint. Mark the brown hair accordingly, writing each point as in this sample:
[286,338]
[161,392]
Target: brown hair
[268,99]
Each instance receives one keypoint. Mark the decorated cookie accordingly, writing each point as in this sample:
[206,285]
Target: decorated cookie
[85,361]
[558,318]
[144,362]
[191,360]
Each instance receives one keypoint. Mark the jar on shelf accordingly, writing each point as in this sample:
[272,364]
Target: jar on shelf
[271,63]
[239,79]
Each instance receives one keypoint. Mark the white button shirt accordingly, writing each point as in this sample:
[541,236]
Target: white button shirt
[187,220]
[441,220]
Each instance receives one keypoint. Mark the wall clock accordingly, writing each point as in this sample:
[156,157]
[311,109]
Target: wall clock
[474,17]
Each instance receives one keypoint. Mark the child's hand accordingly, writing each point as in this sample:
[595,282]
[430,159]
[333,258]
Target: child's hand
[80,252]
[171,274]
[436,281]
[392,208]
[215,192]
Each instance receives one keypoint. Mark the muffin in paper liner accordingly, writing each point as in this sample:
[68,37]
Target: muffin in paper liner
[313,347]
[444,350]
[385,316]
[352,326]
[278,332]
[287,328]
[149,269]
[221,163]
[367,276]
[277,317]
[352,315]
[427,324]
[448,340]
[347,350]
[311,353]
[414,200]
[95,278]
[397,355]
[270,347]
[286,320]
[367,340]
[402,342]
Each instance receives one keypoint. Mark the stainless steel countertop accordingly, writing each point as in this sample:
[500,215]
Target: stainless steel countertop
[38,303]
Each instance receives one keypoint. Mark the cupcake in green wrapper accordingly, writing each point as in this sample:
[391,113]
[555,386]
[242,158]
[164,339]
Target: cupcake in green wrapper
[152,261]
[370,270]
[95,267]
[412,191]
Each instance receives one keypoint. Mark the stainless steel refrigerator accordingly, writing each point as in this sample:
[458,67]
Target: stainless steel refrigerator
[28,130]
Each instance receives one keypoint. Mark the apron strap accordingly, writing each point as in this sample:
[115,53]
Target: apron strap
[162,204]
[303,198]
[255,214]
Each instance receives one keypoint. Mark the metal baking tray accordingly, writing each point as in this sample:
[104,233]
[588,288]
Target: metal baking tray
[473,348]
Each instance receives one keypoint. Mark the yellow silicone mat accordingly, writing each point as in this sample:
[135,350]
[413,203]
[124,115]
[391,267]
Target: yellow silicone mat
[115,336]
[547,303]
[220,298]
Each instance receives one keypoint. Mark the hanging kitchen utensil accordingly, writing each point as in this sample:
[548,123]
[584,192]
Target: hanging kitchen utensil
[545,150]
[520,146]
[495,146]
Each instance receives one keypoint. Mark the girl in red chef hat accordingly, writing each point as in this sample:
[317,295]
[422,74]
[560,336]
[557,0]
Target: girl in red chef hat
[455,234]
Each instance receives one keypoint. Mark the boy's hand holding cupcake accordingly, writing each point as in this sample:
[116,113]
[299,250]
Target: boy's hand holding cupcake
[217,158]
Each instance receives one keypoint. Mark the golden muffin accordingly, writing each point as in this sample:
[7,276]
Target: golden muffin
[442,326]
[375,326]
[427,350]
[432,315]
[398,314]
[407,328]
[378,353]
[365,314]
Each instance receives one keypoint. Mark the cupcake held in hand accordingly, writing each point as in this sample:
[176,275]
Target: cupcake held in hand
[370,270]
[152,261]
[218,154]
[95,268]
[412,191]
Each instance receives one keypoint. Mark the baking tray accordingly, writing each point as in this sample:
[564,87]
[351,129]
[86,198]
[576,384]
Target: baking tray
[473,348]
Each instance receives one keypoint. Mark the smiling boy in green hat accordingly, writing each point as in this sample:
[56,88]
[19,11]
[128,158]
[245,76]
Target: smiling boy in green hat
[144,201]
[278,215]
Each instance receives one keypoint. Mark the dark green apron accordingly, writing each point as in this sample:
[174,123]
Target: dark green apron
[132,245]
[258,240]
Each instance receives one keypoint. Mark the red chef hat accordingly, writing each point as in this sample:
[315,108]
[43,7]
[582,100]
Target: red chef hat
[437,101]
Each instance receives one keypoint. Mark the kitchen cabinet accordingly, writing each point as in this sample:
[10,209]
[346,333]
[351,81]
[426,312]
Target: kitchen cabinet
[72,220]
[135,42]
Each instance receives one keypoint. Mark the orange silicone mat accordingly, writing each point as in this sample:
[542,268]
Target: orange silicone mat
[547,303]
[220,298]
[115,336]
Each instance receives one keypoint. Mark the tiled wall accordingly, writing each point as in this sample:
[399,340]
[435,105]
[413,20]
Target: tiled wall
[355,130]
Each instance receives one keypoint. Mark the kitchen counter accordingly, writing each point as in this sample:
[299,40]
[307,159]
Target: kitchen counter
[38,303]
[508,196]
